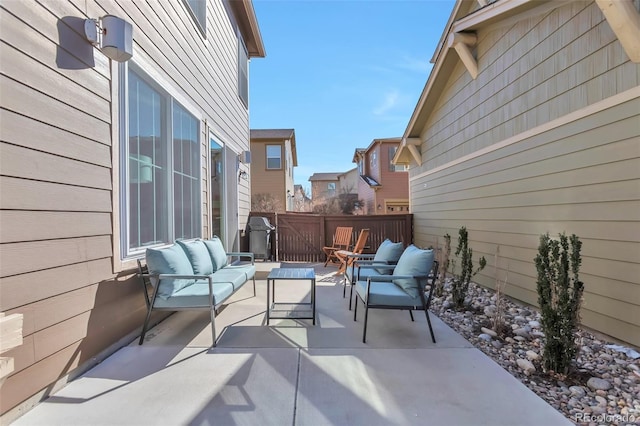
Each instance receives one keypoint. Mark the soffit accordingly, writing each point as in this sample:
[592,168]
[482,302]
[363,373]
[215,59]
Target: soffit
[248,24]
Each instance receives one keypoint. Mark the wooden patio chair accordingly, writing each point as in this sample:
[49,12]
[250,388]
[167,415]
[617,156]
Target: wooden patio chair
[347,257]
[341,241]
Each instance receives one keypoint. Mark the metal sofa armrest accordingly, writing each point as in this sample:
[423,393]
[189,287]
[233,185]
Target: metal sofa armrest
[242,254]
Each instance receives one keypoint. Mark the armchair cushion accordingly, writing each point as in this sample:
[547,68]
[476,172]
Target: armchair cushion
[416,262]
[170,260]
[198,255]
[217,252]
[388,252]
[385,293]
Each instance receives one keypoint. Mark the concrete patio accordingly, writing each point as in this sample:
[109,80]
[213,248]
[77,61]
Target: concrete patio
[292,372]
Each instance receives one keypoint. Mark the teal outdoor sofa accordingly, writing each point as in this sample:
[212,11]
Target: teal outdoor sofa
[407,285]
[192,275]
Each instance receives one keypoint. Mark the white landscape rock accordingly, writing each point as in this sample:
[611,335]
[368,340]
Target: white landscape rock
[489,332]
[526,365]
[618,373]
[533,356]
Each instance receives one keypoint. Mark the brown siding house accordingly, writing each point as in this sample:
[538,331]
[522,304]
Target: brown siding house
[101,159]
[382,185]
[273,157]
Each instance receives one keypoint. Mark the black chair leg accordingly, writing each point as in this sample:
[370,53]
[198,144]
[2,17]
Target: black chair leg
[350,296]
[364,331]
[355,308]
[144,327]
[433,337]
[411,314]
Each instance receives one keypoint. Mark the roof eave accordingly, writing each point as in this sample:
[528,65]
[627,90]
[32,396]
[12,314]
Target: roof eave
[248,24]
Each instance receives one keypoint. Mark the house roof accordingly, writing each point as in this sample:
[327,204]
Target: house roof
[355,169]
[465,18]
[248,24]
[361,151]
[325,176]
[272,133]
[258,135]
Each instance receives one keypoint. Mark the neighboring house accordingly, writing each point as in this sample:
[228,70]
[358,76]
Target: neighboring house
[324,186]
[528,124]
[302,203]
[273,157]
[382,185]
[102,159]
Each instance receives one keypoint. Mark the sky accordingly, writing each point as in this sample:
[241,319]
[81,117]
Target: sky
[341,73]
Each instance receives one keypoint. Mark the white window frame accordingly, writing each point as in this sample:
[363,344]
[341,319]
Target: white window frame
[267,157]
[198,13]
[159,84]
[243,72]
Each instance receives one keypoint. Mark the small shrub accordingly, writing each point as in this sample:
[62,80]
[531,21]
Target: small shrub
[461,280]
[559,297]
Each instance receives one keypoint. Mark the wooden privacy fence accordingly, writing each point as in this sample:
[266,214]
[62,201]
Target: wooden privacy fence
[299,237]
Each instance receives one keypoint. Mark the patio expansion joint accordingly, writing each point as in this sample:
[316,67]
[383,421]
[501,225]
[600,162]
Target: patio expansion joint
[295,395]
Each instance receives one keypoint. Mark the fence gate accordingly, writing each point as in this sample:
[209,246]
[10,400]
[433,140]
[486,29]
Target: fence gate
[300,238]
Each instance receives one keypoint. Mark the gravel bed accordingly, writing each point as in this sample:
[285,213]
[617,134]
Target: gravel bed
[604,387]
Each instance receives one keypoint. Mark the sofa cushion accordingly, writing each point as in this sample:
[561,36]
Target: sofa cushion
[198,255]
[352,272]
[196,296]
[386,293]
[414,261]
[248,269]
[170,260]
[235,277]
[388,252]
[217,252]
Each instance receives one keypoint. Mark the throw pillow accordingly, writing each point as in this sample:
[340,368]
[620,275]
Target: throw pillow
[388,252]
[414,261]
[170,260]
[217,252]
[198,255]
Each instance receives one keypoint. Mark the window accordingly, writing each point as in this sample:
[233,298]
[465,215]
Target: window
[198,9]
[394,167]
[160,175]
[274,157]
[243,72]
[331,188]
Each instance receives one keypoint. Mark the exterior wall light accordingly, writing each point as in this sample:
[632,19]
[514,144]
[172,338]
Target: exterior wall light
[112,35]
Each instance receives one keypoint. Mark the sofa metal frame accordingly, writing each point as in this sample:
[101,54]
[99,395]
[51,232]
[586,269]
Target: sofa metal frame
[150,283]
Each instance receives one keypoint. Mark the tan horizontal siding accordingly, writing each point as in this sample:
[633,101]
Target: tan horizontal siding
[20,225]
[595,195]
[51,196]
[30,133]
[57,363]
[33,29]
[32,73]
[52,253]
[29,164]
[31,103]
